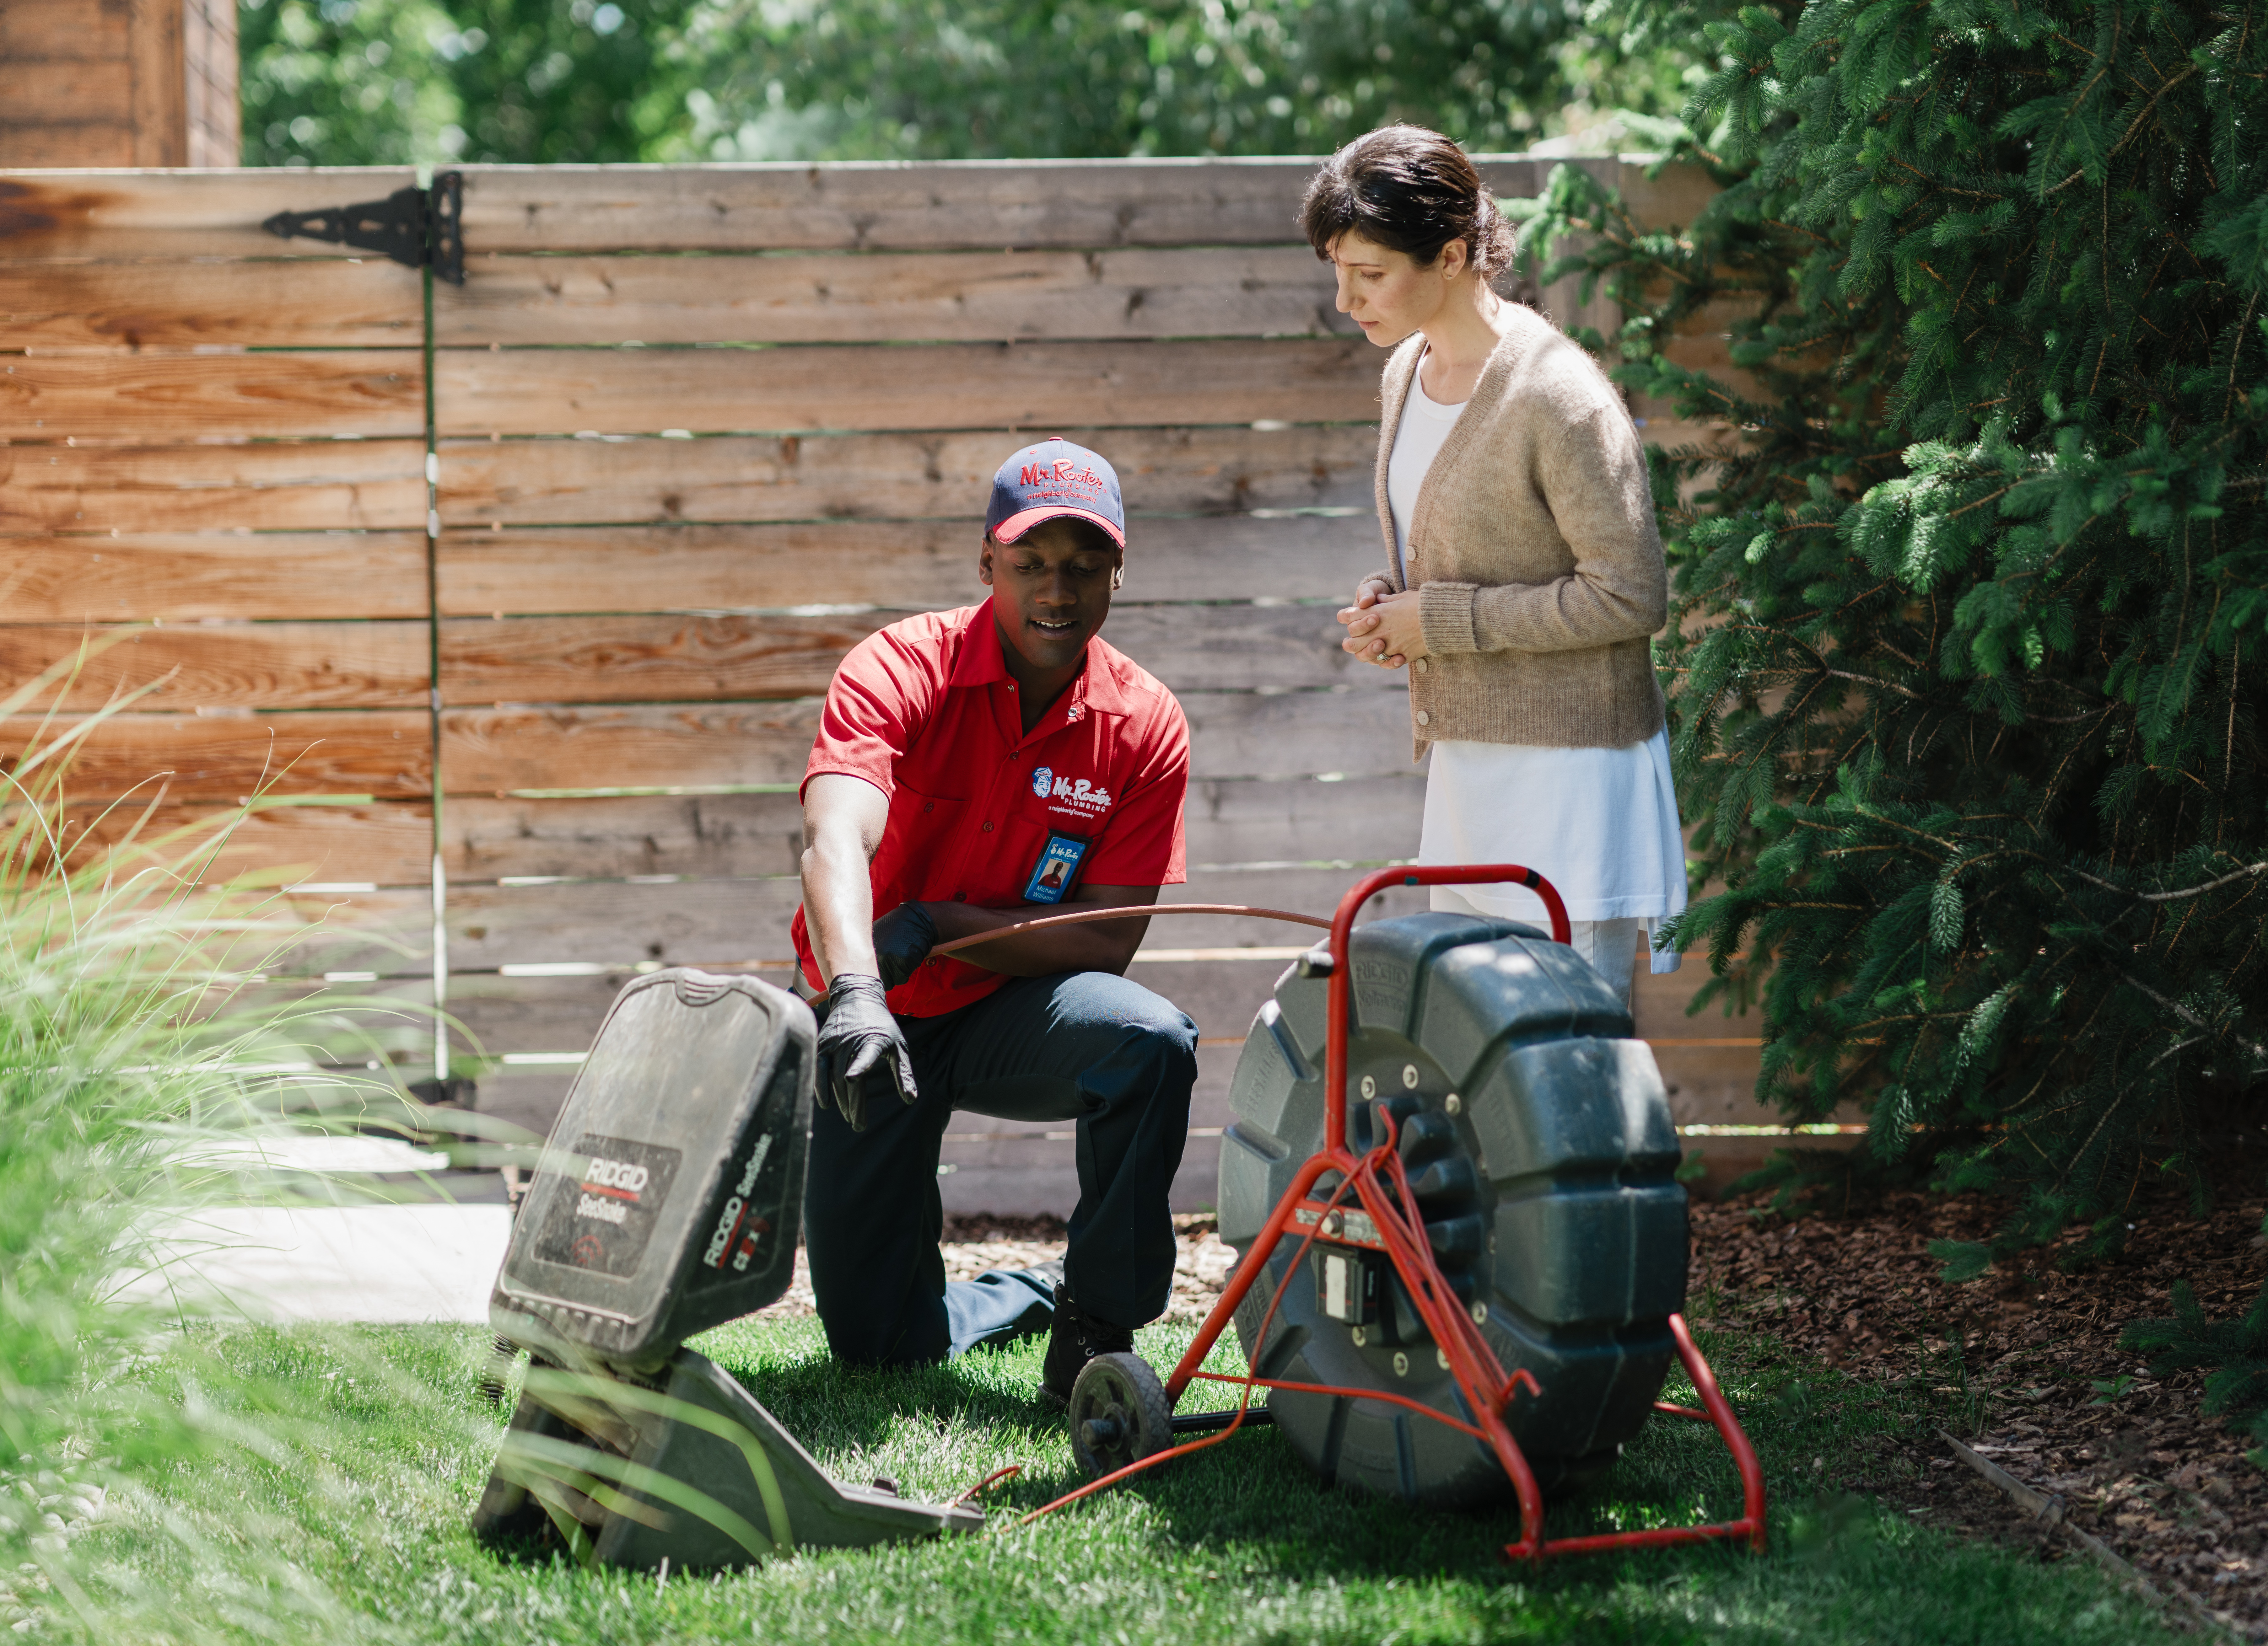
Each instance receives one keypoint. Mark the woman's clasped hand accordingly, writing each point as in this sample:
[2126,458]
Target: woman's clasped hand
[1383,627]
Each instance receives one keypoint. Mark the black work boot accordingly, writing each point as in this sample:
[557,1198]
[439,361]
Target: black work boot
[1077,1337]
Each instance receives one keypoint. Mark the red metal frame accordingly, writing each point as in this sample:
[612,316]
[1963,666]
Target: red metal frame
[1381,1191]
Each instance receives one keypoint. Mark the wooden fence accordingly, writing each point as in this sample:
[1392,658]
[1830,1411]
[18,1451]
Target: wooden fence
[693,433]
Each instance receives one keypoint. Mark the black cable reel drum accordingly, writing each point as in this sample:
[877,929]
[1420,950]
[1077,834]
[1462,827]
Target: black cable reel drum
[1538,1146]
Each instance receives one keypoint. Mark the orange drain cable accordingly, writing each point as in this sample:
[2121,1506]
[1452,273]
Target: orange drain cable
[1143,911]
[1243,1404]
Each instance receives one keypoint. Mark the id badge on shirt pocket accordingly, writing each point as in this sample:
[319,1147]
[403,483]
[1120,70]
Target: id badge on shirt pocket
[1056,869]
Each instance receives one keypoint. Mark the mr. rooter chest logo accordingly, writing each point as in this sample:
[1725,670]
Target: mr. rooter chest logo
[1078,797]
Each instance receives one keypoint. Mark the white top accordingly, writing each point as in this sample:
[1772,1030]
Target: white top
[1425,424]
[1599,824]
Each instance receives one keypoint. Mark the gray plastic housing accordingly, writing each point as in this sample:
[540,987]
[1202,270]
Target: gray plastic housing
[671,1191]
[693,1440]
[1569,1228]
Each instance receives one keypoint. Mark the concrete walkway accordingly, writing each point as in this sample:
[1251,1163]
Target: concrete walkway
[393,1265]
[390,1265]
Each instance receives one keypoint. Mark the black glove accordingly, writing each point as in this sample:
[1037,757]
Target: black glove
[861,1049]
[902,940]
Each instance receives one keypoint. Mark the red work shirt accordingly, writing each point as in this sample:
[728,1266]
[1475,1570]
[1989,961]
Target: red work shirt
[925,711]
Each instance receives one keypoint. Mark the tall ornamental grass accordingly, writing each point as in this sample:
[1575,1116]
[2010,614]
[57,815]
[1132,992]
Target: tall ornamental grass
[134,1085]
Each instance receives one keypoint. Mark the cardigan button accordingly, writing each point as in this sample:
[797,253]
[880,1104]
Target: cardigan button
[1424,665]
[1424,719]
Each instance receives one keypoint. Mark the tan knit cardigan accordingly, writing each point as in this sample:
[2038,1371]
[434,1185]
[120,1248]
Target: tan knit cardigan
[1533,546]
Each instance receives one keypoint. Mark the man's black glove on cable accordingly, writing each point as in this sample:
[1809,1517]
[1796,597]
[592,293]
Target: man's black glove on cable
[902,940]
[861,1049]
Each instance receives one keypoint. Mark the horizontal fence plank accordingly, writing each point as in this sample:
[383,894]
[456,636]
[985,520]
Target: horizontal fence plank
[91,213]
[655,745]
[631,657]
[744,922]
[1716,1085]
[1034,386]
[613,923]
[1349,731]
[387,1021]
[1298,820]
[312,485]
[961,297]
[95,142]
[68,93]
[111,307]
[616,836]
[386,753]
[177,576]
[693,746]
[384,844]
[1244,647]
[387,933]
[637,657]
[895,564]
[33,34]
[885,476]
[225,665]
[930,206]
[137,399]
[737,836]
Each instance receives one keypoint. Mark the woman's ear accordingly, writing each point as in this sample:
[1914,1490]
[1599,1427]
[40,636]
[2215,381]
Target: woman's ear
[1456,258]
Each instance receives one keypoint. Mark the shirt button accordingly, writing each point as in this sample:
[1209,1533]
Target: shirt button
[1423,719]
[987,828]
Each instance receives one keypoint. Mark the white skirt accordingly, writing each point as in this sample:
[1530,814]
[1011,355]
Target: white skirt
[1599,824]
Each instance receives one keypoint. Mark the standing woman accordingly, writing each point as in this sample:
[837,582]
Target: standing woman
[1524,576]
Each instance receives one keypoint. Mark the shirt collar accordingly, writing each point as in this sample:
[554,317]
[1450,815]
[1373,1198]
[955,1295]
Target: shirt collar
[979,662]
[1097,689]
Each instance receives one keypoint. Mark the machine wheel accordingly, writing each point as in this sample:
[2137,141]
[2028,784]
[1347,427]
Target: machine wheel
[1538,1144]
[1119,1414]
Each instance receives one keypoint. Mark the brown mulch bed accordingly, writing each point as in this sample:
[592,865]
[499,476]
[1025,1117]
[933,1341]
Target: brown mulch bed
[2022,1352]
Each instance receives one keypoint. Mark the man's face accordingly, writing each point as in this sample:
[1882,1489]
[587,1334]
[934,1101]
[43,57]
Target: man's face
[1051,589]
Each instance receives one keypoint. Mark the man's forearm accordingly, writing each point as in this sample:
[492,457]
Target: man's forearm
[838,906]
[1105,945]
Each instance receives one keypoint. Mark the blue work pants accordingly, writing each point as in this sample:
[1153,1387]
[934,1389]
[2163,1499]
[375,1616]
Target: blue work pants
[1085,1046]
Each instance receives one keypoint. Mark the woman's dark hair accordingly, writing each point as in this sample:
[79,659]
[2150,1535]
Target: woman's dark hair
[1409,190]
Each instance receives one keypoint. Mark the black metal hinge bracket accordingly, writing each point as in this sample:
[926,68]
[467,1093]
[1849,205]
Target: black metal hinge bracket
[420,228]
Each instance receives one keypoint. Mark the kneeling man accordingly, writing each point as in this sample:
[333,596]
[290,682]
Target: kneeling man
[975,769]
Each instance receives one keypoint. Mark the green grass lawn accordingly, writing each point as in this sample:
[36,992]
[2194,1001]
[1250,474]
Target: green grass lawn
[339,1513]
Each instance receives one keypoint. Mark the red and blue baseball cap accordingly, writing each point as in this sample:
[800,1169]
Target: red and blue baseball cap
[1049,481]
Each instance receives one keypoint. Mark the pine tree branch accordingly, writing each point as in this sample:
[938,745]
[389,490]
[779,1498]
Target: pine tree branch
[2136,125]
[2191,1018]
[2164,897]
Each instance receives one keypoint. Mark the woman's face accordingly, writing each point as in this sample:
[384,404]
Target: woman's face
[1386,292]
